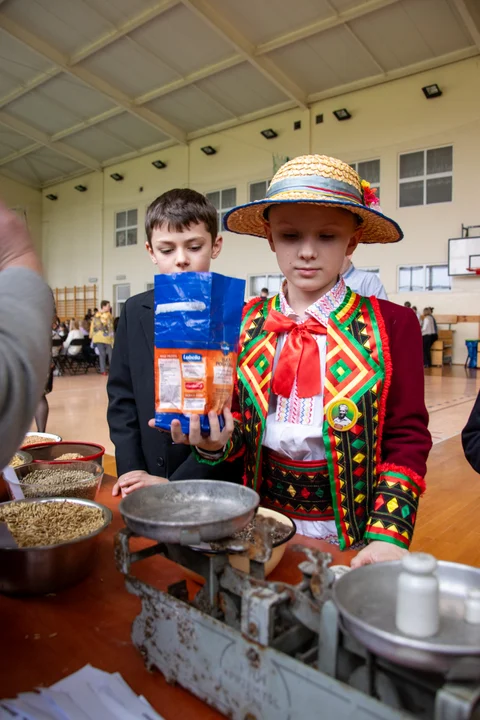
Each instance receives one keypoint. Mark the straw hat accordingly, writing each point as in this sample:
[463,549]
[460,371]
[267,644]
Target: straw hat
[316,179]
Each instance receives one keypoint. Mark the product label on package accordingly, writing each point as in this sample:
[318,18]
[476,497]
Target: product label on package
[191,382]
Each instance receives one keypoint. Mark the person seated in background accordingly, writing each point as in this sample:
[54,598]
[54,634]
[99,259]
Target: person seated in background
[264,293]
[429,336]
[471,437]
[74,334]
[362,282]
[85,328]
[62,331]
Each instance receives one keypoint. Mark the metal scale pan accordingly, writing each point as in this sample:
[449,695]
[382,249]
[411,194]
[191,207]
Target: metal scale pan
[366,601]
[189,512]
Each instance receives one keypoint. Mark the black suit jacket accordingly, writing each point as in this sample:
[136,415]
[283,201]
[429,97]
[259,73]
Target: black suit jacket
[131,395]
[471,437]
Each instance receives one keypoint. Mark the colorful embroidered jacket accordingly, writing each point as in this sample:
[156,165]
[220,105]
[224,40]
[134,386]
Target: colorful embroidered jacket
[374,358]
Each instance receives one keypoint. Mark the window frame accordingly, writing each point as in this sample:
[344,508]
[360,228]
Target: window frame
[222,210]
[377,185]
[425,177]
[256,182]
[267,275]
[426,268]
[124,229]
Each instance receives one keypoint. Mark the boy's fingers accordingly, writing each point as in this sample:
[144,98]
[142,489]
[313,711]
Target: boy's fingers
[215,433]
[116,489]
[195,436]
[177,435]
[132,488]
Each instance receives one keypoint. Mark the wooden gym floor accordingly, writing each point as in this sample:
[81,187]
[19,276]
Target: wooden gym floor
[447,520]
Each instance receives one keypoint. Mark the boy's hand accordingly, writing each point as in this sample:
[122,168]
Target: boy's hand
[134,480]
[377,551]
[215,442]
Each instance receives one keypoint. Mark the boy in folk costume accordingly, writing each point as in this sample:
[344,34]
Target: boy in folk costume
[330,412]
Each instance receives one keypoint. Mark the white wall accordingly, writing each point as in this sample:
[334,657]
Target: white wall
[17,195]
[387,120]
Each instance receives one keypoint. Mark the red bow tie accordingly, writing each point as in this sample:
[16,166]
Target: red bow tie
[299,358]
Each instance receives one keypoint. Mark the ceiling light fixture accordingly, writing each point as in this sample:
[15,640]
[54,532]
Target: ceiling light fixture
[51,196]
[431,91]
[116,176]
[81,188]
[208,150]
[342,114]
[269,134]
[159,164]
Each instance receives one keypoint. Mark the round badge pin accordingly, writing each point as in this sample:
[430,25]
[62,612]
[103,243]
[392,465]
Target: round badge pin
[342,414]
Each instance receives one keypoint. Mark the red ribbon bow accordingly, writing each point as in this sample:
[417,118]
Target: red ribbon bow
[299,358]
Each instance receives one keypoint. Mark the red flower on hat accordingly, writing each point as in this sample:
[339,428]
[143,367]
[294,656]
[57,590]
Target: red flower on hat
[369,194]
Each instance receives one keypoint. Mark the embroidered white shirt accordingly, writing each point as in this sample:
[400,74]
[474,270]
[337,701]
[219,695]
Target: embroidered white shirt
[294,425]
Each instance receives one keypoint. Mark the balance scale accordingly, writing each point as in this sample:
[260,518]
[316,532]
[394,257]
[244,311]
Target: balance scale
[326,647]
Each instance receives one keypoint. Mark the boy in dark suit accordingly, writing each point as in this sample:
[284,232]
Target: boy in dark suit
[182,236]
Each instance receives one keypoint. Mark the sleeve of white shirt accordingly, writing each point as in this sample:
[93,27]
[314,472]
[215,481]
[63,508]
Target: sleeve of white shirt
[375,287]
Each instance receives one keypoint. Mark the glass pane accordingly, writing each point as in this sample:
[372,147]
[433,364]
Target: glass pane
[121,238]
[370,171]
[132,218]
[374,271]
[417,277]
[258,191]
[274,284]
[132,236]
[123,292]
[410,278]
[438,278]
[411,193]
[439,160]
[229,198]
[257,282]
[121,219]
[214,198]
[377,191]
[411,165]
[353,166]
[221,218]
[439,190]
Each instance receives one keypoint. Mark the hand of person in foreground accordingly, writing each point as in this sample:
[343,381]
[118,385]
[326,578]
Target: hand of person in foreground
[215,442]
[377,551]
[16,248]
[134,480]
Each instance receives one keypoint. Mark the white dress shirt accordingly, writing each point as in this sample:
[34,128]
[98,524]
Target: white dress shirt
[364,283]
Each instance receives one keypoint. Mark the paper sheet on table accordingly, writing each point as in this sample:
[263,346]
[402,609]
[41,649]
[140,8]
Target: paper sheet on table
[87,694]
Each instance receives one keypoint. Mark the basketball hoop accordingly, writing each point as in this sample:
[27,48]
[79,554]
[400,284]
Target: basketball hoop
[474,270]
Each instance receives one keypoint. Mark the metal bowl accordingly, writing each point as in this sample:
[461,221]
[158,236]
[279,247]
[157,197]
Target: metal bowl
[366,600]
[46,437]
[40,570]
[189,511]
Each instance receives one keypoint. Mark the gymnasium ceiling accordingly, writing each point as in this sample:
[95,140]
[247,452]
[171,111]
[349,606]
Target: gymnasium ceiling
[86,83]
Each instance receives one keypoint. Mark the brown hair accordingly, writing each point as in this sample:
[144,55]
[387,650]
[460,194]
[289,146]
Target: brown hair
[180,208]
[104,303]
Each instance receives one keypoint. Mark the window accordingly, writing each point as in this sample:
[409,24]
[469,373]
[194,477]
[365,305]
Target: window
[122,293]
[150,286]
[258,190]
[425,177]
[223,201]
[369,170]
[126,227]
[423,277]
[272,281]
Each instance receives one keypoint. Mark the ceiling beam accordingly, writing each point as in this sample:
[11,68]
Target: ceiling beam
[357,11]
[20,153]
[390,75]
[223,27]
[469,11]
[46,50]
[116,33]
[11,175]
[42,138]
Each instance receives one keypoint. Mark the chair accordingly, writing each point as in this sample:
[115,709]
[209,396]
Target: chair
[57,357]
[75,364]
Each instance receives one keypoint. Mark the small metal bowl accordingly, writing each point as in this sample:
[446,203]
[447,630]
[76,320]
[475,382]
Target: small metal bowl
[18,489]
[41,570]
[45,437]
[50,452]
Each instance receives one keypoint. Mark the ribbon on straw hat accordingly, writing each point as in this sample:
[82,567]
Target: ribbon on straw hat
[320,180]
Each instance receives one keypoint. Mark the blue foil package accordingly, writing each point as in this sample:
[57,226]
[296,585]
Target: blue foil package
[197,329]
